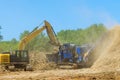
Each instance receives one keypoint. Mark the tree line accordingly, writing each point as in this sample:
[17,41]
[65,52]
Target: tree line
[41,42]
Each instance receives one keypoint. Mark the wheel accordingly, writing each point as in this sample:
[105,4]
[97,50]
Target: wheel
[11,68]
[28,68]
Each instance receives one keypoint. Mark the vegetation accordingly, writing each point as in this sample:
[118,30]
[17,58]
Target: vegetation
[1,37]
[41,42]
[8,45]
[82,36]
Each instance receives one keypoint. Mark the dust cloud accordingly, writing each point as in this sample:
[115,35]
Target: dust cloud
[108,50]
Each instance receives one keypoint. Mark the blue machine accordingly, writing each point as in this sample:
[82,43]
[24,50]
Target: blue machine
[73,55]
[70,53]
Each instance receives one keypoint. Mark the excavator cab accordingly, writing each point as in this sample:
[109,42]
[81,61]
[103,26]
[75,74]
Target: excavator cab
[19,56]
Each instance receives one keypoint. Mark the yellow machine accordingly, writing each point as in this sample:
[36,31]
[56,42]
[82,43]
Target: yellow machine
[20,57]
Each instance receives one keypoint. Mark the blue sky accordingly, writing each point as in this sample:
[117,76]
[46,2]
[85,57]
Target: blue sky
[19,15]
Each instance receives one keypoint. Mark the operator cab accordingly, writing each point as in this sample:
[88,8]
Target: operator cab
[19,57]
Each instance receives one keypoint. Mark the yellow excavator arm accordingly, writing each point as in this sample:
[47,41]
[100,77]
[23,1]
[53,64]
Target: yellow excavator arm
[34,33]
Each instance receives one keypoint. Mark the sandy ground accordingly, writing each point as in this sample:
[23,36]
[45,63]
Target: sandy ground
[78,74]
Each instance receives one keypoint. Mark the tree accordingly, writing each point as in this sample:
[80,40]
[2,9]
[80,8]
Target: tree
[1,37]
[26,32]
[14,41]
[82,36]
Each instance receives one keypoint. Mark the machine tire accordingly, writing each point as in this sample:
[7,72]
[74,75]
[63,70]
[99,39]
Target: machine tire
[11,68]
[28,68]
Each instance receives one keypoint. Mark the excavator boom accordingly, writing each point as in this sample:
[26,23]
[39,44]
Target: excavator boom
[29,37]
[52,35]
[36,31]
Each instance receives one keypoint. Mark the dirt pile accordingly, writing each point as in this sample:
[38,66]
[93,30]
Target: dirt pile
[39,61]
[109,50]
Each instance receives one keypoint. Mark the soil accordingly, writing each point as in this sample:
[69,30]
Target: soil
[79,74]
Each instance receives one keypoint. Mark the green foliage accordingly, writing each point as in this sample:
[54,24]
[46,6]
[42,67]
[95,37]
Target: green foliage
[41,42]
[8,45]
[1,37]
[26,32]
[82,36]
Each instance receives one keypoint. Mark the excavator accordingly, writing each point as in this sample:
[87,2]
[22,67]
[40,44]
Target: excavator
[19,59]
